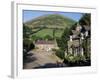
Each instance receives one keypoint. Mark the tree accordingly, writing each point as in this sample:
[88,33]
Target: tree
[54,30]
[63,41]
[86,19]
[26,31]
[60,53]
[65,38]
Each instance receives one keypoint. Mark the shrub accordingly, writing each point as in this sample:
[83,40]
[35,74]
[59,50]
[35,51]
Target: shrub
[74,60]
[70,58]
[60,53]
[53,49]
[28,44]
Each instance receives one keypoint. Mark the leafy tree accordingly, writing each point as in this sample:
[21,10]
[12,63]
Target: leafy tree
[73,27]
[63,41]
[86,19]
[65,38]
[60,53]
[28,44]
[26,31]
[54,30]
[34,37]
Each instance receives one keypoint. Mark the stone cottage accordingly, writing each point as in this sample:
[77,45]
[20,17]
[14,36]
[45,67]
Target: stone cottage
[76,38]
[45,45]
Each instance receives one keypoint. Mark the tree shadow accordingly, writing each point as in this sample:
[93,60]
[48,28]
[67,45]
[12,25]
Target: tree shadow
[51,65]
[78,63]
[29,58]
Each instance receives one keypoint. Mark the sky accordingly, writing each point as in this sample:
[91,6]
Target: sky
[31,14]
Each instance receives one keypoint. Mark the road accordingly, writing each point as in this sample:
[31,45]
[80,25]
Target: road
[42,59]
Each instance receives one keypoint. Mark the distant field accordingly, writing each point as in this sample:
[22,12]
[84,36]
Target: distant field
[49,32]
[59,33]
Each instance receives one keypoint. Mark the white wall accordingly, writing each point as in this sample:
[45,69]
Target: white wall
[5,39]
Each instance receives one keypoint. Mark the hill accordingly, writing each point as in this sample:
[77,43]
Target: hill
[50,21]
[52,25]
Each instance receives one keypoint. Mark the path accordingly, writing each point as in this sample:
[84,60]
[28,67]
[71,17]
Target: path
[42,59]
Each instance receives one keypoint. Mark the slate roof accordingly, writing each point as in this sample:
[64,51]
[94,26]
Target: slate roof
[44,42]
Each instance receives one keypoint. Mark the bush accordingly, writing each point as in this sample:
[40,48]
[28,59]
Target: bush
[60,53]
[72,60]
[53,49]
[28,44]
[34,37]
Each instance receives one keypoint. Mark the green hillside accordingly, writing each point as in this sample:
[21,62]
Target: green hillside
[52,25]
[45,32]
[50,21]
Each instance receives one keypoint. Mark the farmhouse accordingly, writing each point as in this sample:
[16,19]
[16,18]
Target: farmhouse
[45,45]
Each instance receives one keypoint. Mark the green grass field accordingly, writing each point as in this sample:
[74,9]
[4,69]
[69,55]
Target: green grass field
[44,32]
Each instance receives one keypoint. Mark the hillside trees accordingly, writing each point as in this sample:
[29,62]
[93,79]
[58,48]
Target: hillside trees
[86,19]
[63,43]
[27,42]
